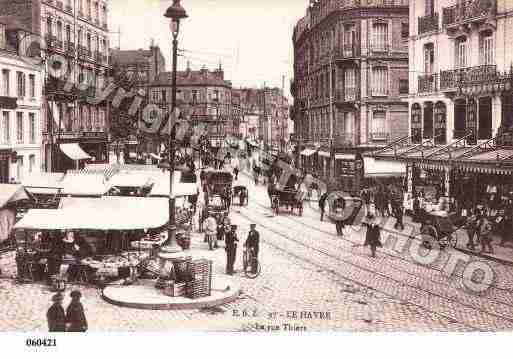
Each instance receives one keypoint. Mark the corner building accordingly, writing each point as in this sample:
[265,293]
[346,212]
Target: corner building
[351,74]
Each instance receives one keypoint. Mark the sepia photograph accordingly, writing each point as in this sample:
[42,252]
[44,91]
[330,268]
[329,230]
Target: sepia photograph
[287,166]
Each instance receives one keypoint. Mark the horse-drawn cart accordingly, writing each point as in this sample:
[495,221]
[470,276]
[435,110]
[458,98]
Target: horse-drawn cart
[286,199]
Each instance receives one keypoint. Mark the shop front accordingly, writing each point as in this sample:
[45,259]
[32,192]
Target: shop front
[74,152]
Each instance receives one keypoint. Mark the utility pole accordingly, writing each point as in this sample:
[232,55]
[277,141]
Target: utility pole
[331,161]
[266,134]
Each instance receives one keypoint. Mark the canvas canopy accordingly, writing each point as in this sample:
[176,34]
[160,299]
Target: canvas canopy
[74,151]
[108,213]
[84,185]
[11,193]
[44,182]
[383,168]
[161,186]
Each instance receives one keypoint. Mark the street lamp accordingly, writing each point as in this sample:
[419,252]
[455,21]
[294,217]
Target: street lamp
[175,13]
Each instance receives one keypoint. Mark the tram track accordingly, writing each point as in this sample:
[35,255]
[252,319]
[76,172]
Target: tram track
[457,304]
[335,239]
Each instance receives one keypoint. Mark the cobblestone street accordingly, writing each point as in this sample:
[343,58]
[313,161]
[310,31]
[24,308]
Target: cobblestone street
[305,269]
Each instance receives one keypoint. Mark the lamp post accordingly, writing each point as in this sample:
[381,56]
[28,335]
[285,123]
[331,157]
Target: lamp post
[175,13]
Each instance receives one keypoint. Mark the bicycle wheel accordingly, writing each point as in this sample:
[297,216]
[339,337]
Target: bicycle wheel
[252,274]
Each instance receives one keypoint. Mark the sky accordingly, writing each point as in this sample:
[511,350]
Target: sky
[251,38]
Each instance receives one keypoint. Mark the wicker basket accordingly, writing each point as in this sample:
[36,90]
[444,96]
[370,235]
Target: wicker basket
[200,284]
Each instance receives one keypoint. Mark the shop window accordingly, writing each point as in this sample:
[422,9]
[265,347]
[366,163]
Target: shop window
[485,118]
[472,122]
[416,123]
[428,120]
[440,123]
[460,118]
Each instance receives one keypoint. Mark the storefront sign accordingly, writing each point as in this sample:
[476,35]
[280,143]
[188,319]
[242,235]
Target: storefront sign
[8,103]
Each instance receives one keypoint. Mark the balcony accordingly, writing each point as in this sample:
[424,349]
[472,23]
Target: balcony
[468,12]
[428,23]
[478,75]
[428,83]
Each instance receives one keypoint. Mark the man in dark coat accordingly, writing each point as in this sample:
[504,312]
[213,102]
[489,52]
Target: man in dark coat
[55,316]
[231,249]
[373,234]
[75,316]
[322,204]
[253,243]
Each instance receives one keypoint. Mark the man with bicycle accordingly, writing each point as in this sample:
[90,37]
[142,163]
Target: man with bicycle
[252,244]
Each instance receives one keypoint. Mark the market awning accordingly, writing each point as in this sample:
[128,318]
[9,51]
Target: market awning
[307,152]
[324,154]
[138,179]
[43,182]
[383,168]
[161,186]
[74,151]
[11,193]
[345,156]
[84,185]
[103,214]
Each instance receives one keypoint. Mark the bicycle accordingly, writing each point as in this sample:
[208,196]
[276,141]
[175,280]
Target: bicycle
[249,261]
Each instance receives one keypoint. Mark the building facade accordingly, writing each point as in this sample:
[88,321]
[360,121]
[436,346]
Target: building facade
[77,31]
[350,74]
[460,102]
[20,109]
[203,96]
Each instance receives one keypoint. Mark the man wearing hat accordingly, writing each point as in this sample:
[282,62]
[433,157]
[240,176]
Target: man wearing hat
[75,316]
[231,248]
[253,243]
[55,315]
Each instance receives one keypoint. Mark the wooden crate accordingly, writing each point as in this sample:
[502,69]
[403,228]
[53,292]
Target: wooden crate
[173,289]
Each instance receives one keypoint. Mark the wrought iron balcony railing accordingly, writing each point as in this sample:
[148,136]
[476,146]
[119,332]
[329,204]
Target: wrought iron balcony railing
[451,79]
[468,11]
[379,136]
[428,23]
[428,83]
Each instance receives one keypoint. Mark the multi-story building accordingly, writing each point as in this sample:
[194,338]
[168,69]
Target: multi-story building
[20,108]
[460,102]
[351,70]
[141,68]
[203,96]
[77,30]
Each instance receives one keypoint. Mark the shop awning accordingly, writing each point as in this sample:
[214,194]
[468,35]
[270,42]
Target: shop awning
[43,182]
[74,151]
[324,154]
[307,152]
[112,214]
[11,193]
[84,185]
[383,168]
[345,156]
[161,186]
[138,179]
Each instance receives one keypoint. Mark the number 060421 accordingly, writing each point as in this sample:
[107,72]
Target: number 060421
[31,342]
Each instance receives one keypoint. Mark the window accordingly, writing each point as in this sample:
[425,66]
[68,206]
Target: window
[216,95]
[2,36]
[19,169]
[194,96]
[6,86]
[429,58]
[378,124]
[6,128]
[88,8]
[430,7]
[32,163]
[32,86]
[79,37]
[68,33]
[164,96]
[19,127]
[32,128]
[59,31]
[403,87]
[379,81]
[380,36]
[20,77]
[49,31]
[405,30]
[461,52]
[486,54]
[89,42]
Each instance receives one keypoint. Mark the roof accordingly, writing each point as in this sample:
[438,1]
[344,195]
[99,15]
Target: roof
[84,185]
[127,57]
[11,193]
[43,182]
[108,213]
[193,78]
